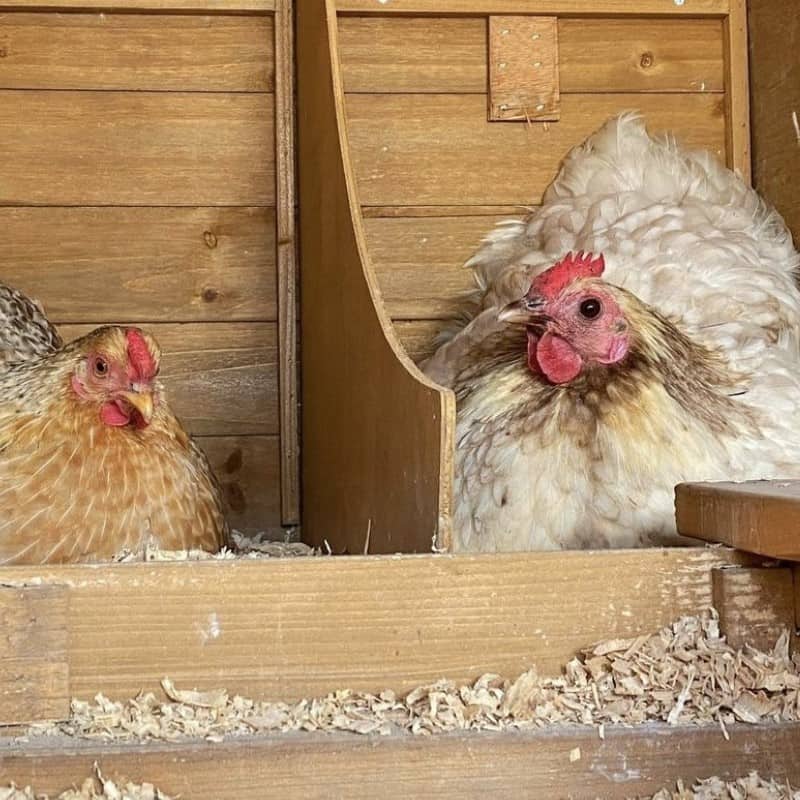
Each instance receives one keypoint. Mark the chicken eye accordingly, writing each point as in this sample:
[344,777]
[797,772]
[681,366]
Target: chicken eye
[100,367]
[590,308]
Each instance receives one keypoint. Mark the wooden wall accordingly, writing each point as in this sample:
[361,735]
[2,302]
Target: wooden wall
[435,176]
[138,185]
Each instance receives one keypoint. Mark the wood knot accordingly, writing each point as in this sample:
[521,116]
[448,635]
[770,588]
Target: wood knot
[235,497]
[234,461]
[3,52]
[210,239]
[210,294]
[647,60]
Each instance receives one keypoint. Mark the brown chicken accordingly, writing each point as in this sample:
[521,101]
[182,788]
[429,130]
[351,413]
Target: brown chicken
[92,459]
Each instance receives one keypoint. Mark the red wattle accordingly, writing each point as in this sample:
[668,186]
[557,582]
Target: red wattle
[556,358]
[113,415]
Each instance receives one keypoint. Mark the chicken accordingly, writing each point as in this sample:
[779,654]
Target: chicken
[92,459]
[587,388]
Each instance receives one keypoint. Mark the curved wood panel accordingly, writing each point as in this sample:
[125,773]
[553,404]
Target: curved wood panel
[377,436]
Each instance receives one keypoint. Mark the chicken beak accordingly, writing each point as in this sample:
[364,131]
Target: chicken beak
[142,402]
[524,312]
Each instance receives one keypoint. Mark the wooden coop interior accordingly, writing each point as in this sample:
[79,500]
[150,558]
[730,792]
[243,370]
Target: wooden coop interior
[151,173]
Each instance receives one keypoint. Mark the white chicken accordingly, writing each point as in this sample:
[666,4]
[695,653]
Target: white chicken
[573,428]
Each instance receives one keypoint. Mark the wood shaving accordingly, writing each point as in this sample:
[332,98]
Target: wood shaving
[94,788]
[685,674]
[753,787]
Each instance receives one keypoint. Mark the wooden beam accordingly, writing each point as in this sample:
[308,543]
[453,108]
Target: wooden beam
[557,762]
[123,6]
[34,672]
[757,516]
[293,628]
[737,94]
[378,435]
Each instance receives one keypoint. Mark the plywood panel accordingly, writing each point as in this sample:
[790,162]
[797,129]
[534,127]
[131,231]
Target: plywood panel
[136,148]
[136,51]
[528,765]
[775,97]
[293,628]
[220,378]
[448,55]
[204,6]
[248,468]
[440,149]
[156,264]
[696,8]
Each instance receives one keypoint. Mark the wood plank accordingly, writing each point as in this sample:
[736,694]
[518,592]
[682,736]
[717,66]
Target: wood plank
[157,264]
[202,6]
[34,673]
[136,148]
[440,149]
[284,622]
[694,8]
[136,51]
[521,764]
[287,264]
[449,55]
[420,262]
[758,516]
[370,212]
[737,94]
[220,378]
[377,434]
[755,604]
[419,336]
[775,98]
[248,467]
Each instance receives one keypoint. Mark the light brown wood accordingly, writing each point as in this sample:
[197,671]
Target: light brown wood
[420,262]
[287,263]
[155,264]
[136,51]
[692,8]
[758,516]
[737,93]
[419,336]
[529,765]
[440,149]
[448,55]
[136,148]
[220,378]
[248,468]
[523,68]
[293,628]
[377,435]
[203,6]
[34,674]
[370,212]
[775,99]
[755,604]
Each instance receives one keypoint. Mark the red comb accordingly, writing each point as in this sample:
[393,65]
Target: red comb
[571,268]
[141,358]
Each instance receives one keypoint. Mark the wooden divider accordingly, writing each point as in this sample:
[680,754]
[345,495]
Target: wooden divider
[377,435]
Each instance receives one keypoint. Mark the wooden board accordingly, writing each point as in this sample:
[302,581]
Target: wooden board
[449,55]
[737,96]
[248,468]
[440,149]
[520,764]
[136,51]
[758,516]
[420,262]
[693,8]
[418,337]
[204,6]
[296,628]
[775,107]
[377,435]
[220,378]
[34,673]
[136,148]
[157,264]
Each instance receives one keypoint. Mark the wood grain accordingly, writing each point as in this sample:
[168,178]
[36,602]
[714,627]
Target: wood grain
[757,516]
[377,435]
[136,51]
[420,262]
[694,8]
[418,337]
[34,674]
[449,55]
[530,765]
[440,149]
[737,94]
[406,620]
[220,378]
[202,6]
[136,148]
[157,264]
[775,100]
[248,468]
